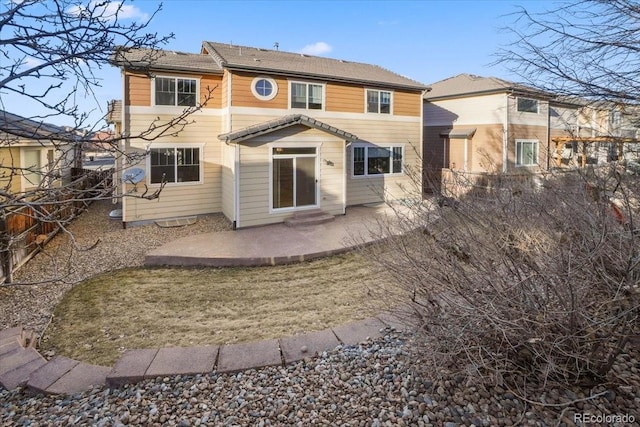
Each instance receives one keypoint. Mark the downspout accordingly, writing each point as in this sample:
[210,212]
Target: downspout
[505,136]
[465,166]
[549,136]
[123,147]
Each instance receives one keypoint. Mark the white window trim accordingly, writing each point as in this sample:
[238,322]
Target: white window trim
[270,147]
[366,103]
[174,146]
[366,157]
[520,141]
[528,112]
[261,97]
[24,183]
[175,77]
[324,94]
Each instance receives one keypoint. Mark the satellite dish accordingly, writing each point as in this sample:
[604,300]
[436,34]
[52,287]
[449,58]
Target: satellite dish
[133,175]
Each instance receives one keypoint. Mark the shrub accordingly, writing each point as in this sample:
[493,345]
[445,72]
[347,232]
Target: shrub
[529,284]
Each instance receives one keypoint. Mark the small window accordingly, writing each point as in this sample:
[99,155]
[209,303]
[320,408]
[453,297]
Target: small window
[309,96]
[528,105]
[264,88]
[374,160]
[175,91]
[526,152]
[175,164]
[378,101]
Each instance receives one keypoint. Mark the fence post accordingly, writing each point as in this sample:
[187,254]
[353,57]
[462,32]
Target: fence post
[5,250]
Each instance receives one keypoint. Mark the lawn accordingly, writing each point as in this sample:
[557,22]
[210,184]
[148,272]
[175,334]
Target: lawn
[160,307]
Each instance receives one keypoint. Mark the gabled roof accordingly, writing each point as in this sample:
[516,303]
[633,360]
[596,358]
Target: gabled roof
[464,85]
[281,123]
[15,126]
[168,60]
[298,64]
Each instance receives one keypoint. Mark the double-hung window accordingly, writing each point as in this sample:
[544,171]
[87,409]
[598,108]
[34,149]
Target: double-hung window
[378,101]
[377,160]
[176,91]
[526,152]
[175,164]
[528,105]
[307,95]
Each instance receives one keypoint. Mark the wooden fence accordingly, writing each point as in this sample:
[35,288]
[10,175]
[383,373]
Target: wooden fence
[25,230]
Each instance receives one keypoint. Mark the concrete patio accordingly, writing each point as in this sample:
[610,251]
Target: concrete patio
[277,244]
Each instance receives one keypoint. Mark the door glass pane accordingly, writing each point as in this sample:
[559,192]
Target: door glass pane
[282,183]
[305,181]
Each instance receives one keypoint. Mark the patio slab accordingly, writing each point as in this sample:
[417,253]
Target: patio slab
[356,332]
[131,367]
[253,355]
[299,347]
[182,361]
[274,244]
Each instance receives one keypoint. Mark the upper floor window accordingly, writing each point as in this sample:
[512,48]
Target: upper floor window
[528,105]
[615,117]
[377,160]
[307,95]
[176,91]
[378,101]
[38,165]
[175,164]
[526,152]
[264,88]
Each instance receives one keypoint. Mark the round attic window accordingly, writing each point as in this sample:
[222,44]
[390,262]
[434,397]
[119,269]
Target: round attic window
[264,88]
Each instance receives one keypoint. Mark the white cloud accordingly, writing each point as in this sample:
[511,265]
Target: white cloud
[29,62]
[317,48]
[108,10]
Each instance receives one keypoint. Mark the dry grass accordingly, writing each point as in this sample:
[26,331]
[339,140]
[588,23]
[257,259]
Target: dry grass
[159,307]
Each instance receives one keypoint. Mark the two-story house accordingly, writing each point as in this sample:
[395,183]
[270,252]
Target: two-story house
[278,133]
[34,155]
[488,125]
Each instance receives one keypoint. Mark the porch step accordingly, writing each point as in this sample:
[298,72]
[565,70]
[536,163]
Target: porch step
[18,357]
[311,217]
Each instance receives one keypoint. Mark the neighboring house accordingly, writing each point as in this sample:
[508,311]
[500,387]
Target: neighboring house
[485,124]
[282,133]
[33,155]
[489,125]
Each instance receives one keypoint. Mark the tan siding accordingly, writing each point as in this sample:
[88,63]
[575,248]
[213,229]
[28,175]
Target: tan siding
[254,176]
[527,132]
[243,97]
[137,90]
[345,98]
[407,103]
[224,89]
[188,199]
[228,183]
[10,157]
[530,119]
[476,110]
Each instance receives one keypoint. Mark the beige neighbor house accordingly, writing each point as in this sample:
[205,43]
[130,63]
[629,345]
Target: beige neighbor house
[34,155]
[484,125]
[282,133]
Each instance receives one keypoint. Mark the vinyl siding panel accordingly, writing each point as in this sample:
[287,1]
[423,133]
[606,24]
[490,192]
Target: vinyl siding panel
[406,103]
[528,119]
[228,181]
[345,98]
[138,89]
[10,157]
[477,110]
[243,97]
[255,182]
[180,199]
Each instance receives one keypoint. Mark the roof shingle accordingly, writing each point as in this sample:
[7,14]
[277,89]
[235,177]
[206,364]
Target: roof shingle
[467,84]
[265,60]
[281,123]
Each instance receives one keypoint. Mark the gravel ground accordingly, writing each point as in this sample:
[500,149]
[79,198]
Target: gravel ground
[372,384]
[367,385]
[58,267]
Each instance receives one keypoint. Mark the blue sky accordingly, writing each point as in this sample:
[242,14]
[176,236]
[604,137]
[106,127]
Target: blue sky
[424,40]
